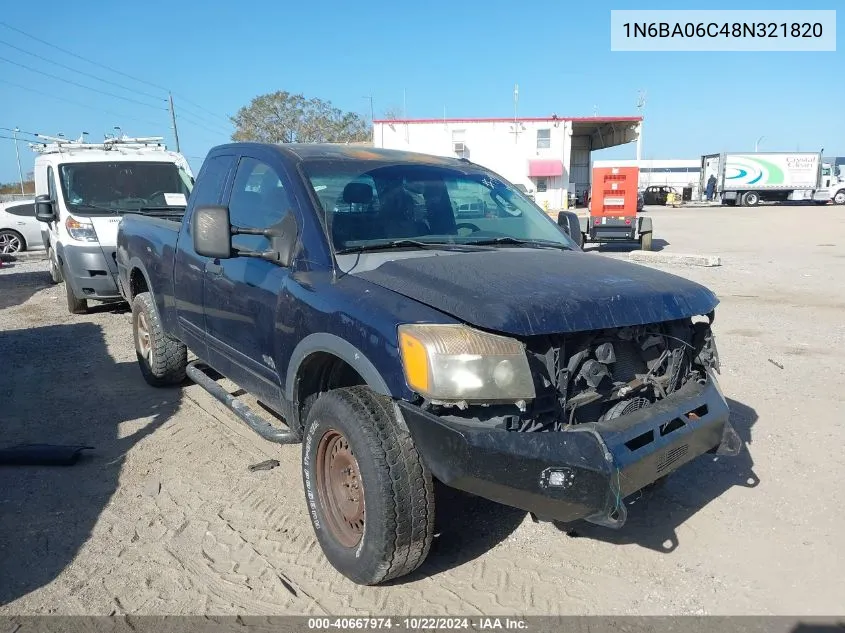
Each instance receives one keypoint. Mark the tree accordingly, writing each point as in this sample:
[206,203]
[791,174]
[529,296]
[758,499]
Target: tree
[393,113]
[282,117]
[14,188]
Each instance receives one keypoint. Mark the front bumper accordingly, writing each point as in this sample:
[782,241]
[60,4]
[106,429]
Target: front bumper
[581,473]
[90,274]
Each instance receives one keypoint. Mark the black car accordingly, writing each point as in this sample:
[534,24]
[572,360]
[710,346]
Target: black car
[657,194]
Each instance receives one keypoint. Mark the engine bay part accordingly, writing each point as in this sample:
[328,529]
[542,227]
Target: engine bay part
[602,375]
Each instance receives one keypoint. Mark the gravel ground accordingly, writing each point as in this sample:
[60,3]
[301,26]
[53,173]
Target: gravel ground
[164,518]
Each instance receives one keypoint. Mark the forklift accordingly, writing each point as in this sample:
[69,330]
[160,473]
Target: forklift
[612,215]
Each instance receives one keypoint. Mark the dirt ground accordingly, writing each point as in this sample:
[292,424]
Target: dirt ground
[165,518]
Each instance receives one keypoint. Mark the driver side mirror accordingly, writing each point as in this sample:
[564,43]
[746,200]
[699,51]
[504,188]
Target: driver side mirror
[44,209]
[212,236]
[212,232]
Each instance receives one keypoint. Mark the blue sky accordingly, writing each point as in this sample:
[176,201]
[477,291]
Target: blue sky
[465,56]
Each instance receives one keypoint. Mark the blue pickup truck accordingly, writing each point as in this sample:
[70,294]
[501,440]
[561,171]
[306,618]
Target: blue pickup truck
[400,343]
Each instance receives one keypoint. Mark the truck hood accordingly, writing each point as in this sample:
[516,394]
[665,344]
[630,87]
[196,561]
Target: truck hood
[534,292]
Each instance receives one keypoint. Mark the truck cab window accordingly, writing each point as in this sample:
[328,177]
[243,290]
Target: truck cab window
[258,201]
[209,191]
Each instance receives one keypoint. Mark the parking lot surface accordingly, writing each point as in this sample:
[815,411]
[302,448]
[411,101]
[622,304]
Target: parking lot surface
[164,516]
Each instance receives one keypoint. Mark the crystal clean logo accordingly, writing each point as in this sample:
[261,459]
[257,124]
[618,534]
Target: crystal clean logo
[745,170]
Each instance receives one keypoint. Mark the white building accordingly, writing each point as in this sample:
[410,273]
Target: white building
[550,156]
[678,174]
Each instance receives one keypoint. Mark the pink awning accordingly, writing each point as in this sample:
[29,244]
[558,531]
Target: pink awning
[542,168]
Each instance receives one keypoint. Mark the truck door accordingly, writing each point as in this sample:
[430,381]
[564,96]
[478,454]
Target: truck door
[189,275]
[242,294]
[710,165]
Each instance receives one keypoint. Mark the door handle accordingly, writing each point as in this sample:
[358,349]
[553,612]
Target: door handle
[214,269]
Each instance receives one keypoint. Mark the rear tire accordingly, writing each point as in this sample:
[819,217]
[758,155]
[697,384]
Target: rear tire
[645,241]
[162,359]
[750,199]
[370,496]
[74,305]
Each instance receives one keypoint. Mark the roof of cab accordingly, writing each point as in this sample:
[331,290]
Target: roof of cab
[342,151]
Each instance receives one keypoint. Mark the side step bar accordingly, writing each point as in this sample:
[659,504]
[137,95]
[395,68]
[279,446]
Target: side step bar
[248,416]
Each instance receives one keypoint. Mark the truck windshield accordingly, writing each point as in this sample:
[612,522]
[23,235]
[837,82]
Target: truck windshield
[366,203]
[115,187]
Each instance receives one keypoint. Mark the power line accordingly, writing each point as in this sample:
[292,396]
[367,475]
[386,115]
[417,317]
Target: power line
[113,70]
[10,129]
[74,83]
[82,72]
[182,117]
[85,59]
[200,117]
[77,103]
[196,105]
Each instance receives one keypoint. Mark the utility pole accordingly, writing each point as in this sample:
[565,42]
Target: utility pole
[372,114]
[404,104]
[18,156]
[640,107]
[515,113]
[173,120]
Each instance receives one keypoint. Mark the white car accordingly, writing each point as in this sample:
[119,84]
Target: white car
[19,230]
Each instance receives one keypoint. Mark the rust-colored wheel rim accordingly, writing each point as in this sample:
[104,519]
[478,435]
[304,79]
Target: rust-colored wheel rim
[340,488]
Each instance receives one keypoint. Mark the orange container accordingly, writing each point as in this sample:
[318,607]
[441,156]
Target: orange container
[614,191]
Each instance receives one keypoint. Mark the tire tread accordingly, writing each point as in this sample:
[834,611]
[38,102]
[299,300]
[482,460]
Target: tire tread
[408,488]
[169,357]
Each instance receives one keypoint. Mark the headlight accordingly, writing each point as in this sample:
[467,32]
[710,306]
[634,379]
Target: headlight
[81,231]
[458,363]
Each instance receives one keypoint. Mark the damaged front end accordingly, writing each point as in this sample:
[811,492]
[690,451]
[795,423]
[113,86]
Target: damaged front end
[614,411]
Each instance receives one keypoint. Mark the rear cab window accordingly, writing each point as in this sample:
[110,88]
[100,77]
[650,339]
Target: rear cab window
[24,210]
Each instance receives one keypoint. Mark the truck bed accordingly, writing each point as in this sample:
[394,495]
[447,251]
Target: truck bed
[151,238]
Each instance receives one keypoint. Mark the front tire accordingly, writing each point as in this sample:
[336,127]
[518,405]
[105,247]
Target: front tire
[370,496]
[839,197]
[74,305]
[55,270]
[162,359]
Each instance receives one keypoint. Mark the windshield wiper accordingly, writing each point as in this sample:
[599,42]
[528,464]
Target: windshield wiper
[404,243]
[94,207]
[174,208]
[515,241]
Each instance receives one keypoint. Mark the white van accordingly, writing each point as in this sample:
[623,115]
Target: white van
[82,191]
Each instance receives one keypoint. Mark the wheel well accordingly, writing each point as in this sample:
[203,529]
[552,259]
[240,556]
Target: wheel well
[137,283]
[319,372]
